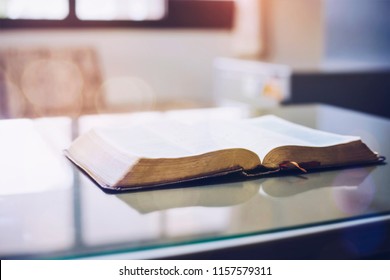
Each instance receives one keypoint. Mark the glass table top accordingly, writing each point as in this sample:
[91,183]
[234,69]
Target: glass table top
[48,209]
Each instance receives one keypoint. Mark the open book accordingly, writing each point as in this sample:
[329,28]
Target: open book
[165,152]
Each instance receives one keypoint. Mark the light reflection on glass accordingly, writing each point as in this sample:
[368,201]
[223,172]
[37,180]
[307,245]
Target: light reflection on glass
[159,214]
[36,195]
[196,221]
[354,200]
[33,223]
[28,164]
[105,221]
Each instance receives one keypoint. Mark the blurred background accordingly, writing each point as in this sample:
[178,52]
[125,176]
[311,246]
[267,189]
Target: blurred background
[73,57]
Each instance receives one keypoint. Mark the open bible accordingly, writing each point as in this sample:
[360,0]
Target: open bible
[165,152]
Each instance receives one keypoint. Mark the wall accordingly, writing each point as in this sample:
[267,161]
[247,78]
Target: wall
[175,64]
[327,35]
[355,67]
[358,32]
[293,33]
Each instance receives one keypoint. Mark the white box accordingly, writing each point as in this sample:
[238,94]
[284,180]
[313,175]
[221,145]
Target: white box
[250,82]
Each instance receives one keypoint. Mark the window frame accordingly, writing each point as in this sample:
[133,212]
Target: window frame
[181,14]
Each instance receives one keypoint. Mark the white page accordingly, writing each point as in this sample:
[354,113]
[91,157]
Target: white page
[270,132]
[171,139]
[164,139]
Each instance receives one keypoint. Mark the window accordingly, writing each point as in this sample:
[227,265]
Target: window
[121,9]
[116,13]
[37,9]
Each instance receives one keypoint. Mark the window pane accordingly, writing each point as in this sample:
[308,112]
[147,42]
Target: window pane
[120,9]
[34,9]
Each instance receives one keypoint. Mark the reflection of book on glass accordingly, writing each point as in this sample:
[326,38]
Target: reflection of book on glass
[230,194]
[169,152]
[212,196]
[287,186]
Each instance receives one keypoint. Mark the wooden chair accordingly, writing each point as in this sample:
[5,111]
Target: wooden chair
[36,82]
